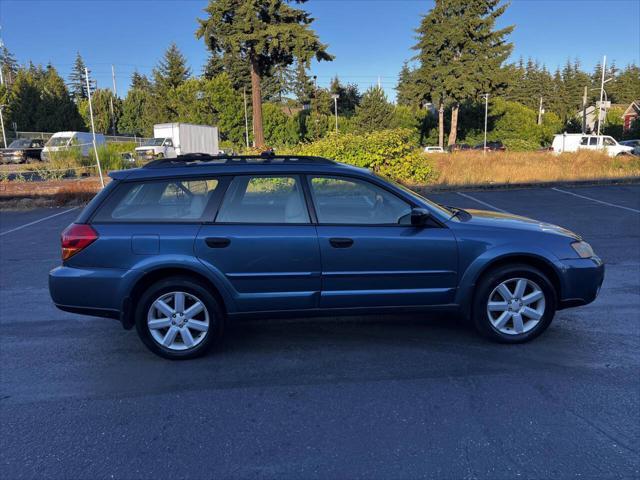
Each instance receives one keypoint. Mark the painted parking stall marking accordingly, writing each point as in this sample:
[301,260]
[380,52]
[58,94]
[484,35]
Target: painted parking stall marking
[596,200]
[493,207]
[37,221]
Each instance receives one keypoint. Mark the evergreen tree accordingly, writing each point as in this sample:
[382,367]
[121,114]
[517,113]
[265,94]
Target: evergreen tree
[171,71]
[101,100]
[136,118]
[278,83]
[626,86]
[408,91]
[77,79]
[349,97]
[265,34]
[461,53]
[9,65]
[140,82]
[374,112]
[303,87]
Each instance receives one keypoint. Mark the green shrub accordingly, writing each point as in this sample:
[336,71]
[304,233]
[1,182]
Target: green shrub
[110,155]
[413,168]
[389,152]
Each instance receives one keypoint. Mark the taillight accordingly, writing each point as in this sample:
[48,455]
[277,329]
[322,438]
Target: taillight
[75,238]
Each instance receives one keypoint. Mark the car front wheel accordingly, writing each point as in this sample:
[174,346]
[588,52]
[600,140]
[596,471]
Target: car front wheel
[514,304]
[178,318]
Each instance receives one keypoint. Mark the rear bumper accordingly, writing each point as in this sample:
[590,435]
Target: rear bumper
[87,291]
[581,281]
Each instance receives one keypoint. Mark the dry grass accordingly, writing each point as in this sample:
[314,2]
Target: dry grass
[476,168]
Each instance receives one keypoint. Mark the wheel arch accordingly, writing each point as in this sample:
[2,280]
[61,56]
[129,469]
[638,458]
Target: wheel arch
[152,276]
[467,291]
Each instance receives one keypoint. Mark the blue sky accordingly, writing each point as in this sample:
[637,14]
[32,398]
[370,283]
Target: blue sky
[370,38]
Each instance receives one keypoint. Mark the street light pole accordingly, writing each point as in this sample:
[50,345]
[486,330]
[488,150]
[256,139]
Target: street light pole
[604,62]
[335,97]
[486,116]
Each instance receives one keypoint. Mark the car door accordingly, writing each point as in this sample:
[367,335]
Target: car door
[372,255]
[264,245]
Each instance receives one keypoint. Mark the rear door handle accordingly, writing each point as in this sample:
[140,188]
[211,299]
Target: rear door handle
[217,242]
[341,242]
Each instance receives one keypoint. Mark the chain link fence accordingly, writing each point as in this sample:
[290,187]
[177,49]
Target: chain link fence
[13,135]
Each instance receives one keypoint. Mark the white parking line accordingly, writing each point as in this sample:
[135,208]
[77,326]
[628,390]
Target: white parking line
[595,200]
[493,207]
[37,221]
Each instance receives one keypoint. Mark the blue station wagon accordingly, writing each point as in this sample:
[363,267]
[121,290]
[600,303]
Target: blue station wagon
[181,246]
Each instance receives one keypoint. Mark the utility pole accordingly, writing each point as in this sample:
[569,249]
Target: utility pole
[113,79]
[93,128]
[335,97]
[4,135]
[540,112]
[604,63]
[115,94]
[379,82]
[486,116]
[584,110]
[246,117]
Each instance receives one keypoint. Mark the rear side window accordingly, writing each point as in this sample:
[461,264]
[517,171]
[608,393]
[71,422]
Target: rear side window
[264,199]
[167,200]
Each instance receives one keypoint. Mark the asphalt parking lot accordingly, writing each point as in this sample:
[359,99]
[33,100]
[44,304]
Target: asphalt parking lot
[374,397]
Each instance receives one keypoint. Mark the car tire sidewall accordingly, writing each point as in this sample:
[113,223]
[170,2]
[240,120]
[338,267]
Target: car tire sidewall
[187,285]
[493,279]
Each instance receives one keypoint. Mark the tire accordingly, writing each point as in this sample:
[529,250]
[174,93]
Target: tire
[502,325]
[204,328]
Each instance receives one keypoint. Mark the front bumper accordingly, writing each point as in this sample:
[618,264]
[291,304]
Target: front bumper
[581,281]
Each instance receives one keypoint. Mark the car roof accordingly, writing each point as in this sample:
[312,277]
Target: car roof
[201,165]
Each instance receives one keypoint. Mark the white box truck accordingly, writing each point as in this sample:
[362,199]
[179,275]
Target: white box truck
[173,139]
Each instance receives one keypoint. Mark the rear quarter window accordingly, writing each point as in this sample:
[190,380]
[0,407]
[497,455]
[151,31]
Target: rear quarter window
[171,200]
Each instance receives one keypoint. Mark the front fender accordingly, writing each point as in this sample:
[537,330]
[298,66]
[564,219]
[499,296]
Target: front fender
[493,256]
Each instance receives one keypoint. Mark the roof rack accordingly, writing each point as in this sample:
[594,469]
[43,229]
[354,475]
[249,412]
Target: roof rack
[267,158]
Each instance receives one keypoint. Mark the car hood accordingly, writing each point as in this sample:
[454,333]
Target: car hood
[507,220]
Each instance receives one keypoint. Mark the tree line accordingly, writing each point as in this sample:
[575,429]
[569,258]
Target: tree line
[260,53]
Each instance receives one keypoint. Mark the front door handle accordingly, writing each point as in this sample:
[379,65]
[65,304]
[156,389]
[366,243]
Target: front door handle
[341,242]
[217,242]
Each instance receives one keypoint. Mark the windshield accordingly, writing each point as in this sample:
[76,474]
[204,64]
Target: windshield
[436,206]
[58,141]
[20,143]
[154,142]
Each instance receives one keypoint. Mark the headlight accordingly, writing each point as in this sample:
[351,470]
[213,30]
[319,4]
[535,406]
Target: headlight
[583,249]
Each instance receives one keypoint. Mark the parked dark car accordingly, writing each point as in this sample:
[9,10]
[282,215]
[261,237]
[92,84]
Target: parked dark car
[181,246]
[22,150]
[458,147]
[491,147]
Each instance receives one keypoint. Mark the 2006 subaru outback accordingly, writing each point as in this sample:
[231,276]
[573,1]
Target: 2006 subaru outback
[181,245]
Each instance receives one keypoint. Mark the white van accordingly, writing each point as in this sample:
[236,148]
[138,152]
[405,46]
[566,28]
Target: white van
[572,142]
[61,141]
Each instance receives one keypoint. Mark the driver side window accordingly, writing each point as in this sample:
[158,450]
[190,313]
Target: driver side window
[348,201]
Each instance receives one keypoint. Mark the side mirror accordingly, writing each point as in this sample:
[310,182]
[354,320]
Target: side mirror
[419,216]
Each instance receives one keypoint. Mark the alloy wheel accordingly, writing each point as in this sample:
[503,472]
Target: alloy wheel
[516,306]
[178,321]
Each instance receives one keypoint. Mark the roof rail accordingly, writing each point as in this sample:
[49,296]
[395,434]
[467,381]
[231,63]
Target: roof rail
[197,159]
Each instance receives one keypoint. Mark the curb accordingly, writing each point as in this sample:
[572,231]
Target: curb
[524,185]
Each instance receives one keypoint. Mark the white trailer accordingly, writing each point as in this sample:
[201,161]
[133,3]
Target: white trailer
[173,139]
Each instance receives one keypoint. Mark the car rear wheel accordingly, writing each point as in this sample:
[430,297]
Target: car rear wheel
[178,318]
[514,304]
